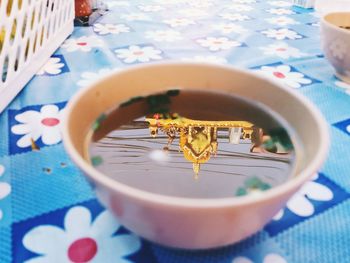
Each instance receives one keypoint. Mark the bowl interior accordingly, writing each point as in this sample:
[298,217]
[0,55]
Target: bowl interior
[116,88]
[340,20]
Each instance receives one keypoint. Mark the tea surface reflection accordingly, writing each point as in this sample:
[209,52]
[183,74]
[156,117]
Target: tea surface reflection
[193,144]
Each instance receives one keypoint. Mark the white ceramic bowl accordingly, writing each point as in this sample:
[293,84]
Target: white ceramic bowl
[336,42]
[184,222]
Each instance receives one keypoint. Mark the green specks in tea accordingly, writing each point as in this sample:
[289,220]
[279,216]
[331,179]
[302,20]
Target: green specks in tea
[157,103]
[241,191]
[278,136]
[160,103]
[270,146]
[96,160]
[132,101]
[173,92]
[97,124]
[256,183]
[251,185]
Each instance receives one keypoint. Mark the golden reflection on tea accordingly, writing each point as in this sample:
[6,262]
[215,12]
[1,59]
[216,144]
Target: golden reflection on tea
[194,144]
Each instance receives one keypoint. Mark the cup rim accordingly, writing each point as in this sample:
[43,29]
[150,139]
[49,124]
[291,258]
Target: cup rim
[325,17]
[184,202]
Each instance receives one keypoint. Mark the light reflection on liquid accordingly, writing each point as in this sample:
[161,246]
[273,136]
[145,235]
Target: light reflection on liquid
[162,151]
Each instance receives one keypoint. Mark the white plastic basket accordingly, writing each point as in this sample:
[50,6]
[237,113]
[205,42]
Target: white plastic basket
[30,32]
[305,3]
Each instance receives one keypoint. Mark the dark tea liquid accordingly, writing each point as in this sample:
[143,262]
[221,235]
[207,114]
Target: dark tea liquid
[194,144]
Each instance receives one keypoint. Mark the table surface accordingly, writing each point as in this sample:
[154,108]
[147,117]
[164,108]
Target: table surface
[49,213]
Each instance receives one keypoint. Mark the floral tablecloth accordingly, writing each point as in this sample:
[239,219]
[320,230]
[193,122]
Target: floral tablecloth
[50,214]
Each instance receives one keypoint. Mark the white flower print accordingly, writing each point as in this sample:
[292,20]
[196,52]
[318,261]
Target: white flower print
[338,49]
[300,204]
[135,53]
[136,17]
[89,77]
[274,258]
[344,86]
[315,24]
[240,8]
[118,3]
[2,170]
[171,2]
[84,43]
[281,21]
[207,59]
[179,22]
[229,28]
[234,17]
[105,29]
[150,8]
[280,3]
[244,1]
[44,124]
[164,35]
[81,240]
[218,43]
[269,258]
[192,12]
[316,14]
[285,75]
[242,260]
[280,11]
[282,50]
[52,67]
[5,189]
[280,34]
[201,3]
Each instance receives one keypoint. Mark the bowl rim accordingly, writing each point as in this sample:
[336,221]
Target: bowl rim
[333,26]
[144,196]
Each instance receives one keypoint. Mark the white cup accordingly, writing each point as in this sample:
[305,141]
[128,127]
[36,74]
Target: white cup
[335,40]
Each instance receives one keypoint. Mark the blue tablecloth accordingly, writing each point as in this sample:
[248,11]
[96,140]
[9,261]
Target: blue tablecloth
[49,213]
